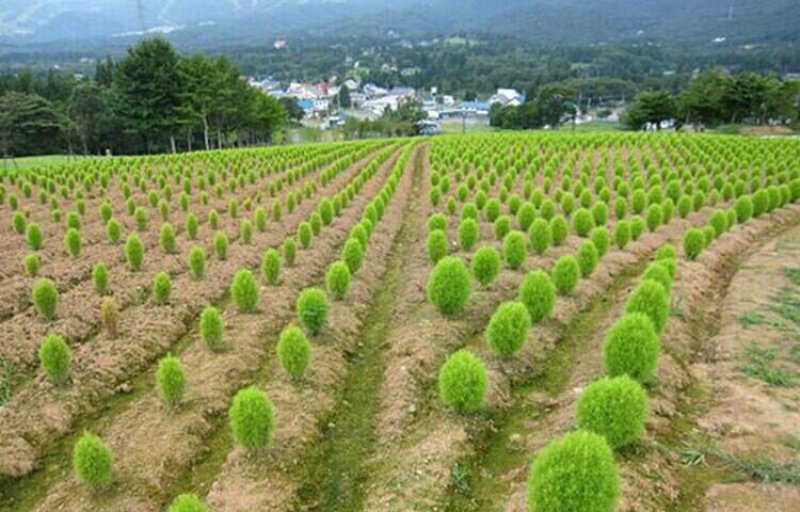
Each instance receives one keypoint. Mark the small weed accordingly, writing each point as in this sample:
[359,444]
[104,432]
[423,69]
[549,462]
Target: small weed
[5,383]
[459,478]
[793,274]
[761,468]
[787,305]
[676,308]
[693,456]
[760,366]
[752,318]
[794,354]
[792,442]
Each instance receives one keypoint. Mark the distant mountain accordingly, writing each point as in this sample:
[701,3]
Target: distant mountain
[545,21]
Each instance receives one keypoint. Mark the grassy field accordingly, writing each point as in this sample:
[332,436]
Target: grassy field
[30,162]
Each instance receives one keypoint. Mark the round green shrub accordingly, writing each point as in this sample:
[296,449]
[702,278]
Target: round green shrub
[437,221]
[469,211]
[245,232]
[162,288]
[539,235]
[744,209]
[485,264]
[140,216]
[171,380]
[188,503]
[468,233]
[294,351]
[574,473]
[304,234]
[45,298]
[600,239]
[652,299]
[559,229]
[718,221]
[167,238]
[566,273]
[637,227]
[100,277]
[34,236]
[582,222]
[463,382]
[244,291]
[18,222]
[55,358]
[760,201]
[31,264]
[502,225]
[437,245]
[92,460]
[508,328]
[134,252]
[312,309]
[631,347]
[492,209]
[659,272]
[708,235]
[694,241]
[106,212]
[615,408]
[338,280]
[326,211]
[654,217]
[73,221]
[221,245]
[525,216]
[211,327]
[622,234]
[515,250]
[113,231]
[252,419]
[72,242]
[587,257]
[289,249]
[271,266]
[197,262]
[538,293]
[449,286]
[315,221]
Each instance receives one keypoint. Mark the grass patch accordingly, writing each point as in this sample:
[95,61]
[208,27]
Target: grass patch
[760,365]
[752,318]
[30,162]
[793,274]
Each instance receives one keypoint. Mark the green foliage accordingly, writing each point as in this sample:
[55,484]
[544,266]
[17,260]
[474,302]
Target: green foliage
[167,238]
[188,503]
[338,280]
[654,217]
[304,234]
[55,357]
[100,277]
[659,272]
[449,285]
[437,246]
[508,328]
[312,310]
[134,252]
[221,245]
[294,351]
[34,236]
[637,227]
[162,288]
[244,291]
[651,299]
[515,249]
[92,460]
[559,229]
[468,233]
[485,264]
[18,222]
[252,419]
[538,293]
[437,221]
[615,408]
[525,216]
[463,382]
[191,226]
[289,250]
[170,380]
[631,347]
[113,230]
[744,209]
[566,273]
[72,242]
[574,473]
[502,225]
[622,234]
[582,222]
[587,257]
[539,235]
[211,328]
[45,298]
[197,262]
[271,266]
[31,264]
[694,241]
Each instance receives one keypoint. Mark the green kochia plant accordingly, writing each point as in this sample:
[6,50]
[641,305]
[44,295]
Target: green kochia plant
[353,254]
[538,293]
[566,273]
[167,238]
[574,473]
[294,351]
[694,241]
[72,242]
[539,235]
[289,250]
[271,266]
[449,285]
[55,357]
[515,250]
[134,252]
[162,288]
[100,277]
[211,328]
[92,460]
[463,382]
[437,246]
[188,503]
[485,264]
[468,233]
[652,299]
[338,280]
[34,236]
[587,257]
[244,291]
[221,245]
[252,419]
[312,310]
[171,380]
[508,328]
[197,262]
[45,298]
[31,264]
[615,408]
[631,347]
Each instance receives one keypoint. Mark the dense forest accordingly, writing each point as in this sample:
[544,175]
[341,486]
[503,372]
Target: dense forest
[150,100]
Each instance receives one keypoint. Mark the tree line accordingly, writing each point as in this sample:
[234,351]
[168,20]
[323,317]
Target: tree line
[150,100]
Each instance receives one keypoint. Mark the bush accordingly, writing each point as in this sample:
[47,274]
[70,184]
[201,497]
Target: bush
[312,310]
[538,293]
[100,277]
[162,288]
[109,316]
[34,236]
[252,419]
[582,222]
[134,252]
[245,232]
[651,299]
[694,241]
[289,251]
[559,229]
[631,347]
[294,351]
[353,254]
[45,298]
[31,264]
[659,272]
[760,201]
[72,242]
[622,234]
[653,217]
[211,327]
[171,380]
[271,266]
[587,257]
[525,216]
[221,245]
[140,216]
[539,235]
[492,209]
[18,222]
[191,226]
[188,503]
[449,285]
[615,408]
[437,245]
[437,221]
[574,473]
[637,227]
[244,291]
[468,233]
[502,225]
[197,262]
[463,382]
[338,280]
[55,358]
[304,234]
[508,328]
[515,249]
[566,273]
[167,238]
[708,235]
[113,231]
[485,264]
[744,209]
[92,460]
